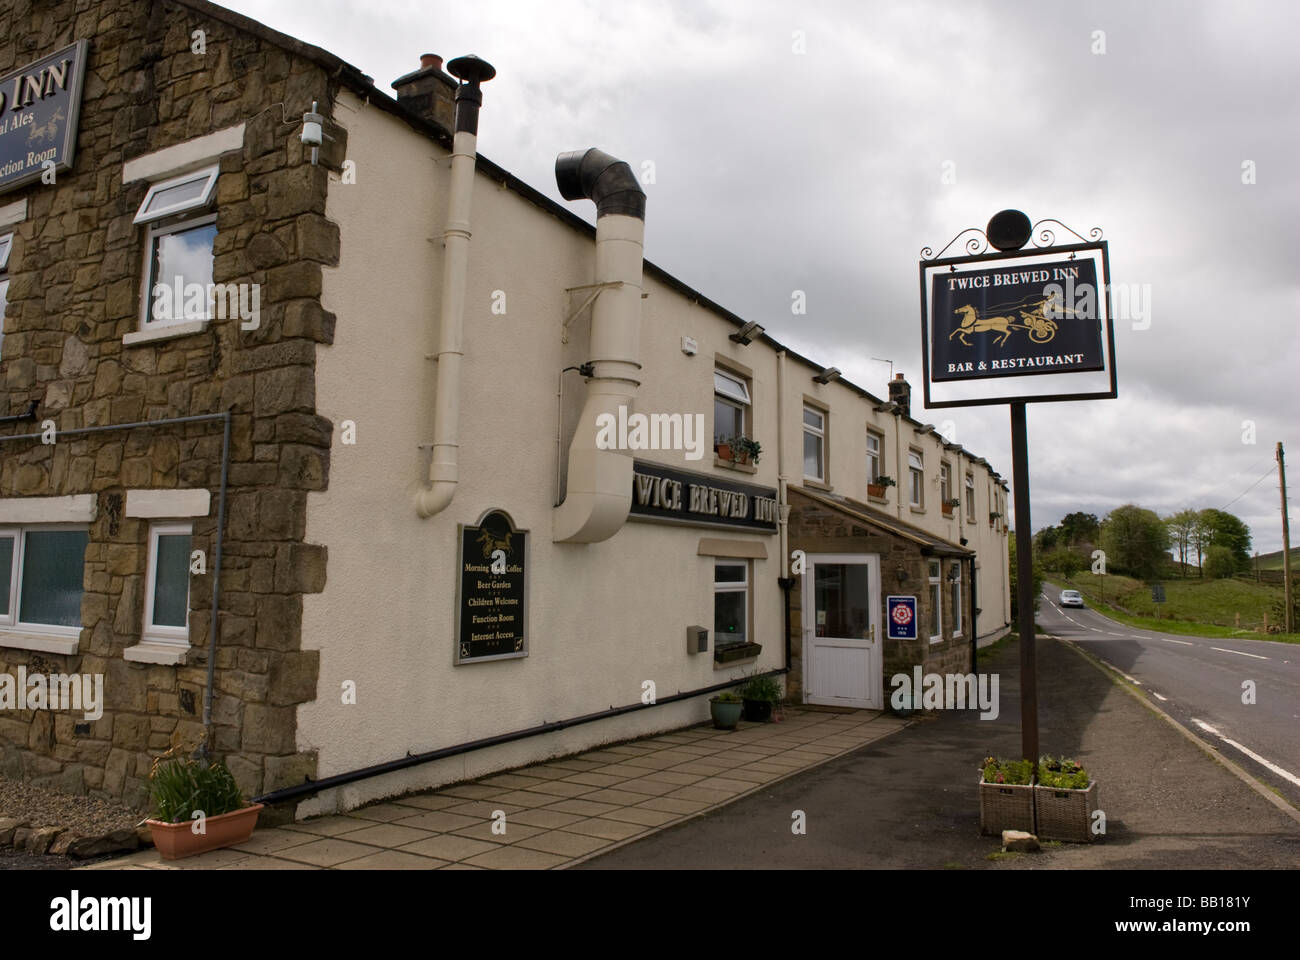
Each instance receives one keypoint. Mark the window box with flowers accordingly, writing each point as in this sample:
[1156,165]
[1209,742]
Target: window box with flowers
[1006,796]
[949,506]
[739,450]
[878,486]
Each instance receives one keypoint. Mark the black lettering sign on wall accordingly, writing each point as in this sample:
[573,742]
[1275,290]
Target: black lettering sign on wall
[999,320]
[680,496]
[492,602]
[39,106]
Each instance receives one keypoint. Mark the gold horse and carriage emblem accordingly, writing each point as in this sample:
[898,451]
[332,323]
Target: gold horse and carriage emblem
[1032,317]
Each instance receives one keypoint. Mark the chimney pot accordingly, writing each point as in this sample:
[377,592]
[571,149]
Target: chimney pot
[428,60]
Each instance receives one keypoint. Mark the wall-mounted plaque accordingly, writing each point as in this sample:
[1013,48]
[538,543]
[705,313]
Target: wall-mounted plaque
[670,495]
[492,595]
[39,106]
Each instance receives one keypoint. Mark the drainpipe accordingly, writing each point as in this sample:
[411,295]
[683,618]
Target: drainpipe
[786,581]
[898,464]
[598,494]
[444,469]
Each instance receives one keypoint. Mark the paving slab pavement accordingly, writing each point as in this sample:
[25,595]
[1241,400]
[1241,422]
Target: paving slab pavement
[557,813]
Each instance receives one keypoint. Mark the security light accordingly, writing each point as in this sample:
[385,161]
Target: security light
[748,333]
[827,375]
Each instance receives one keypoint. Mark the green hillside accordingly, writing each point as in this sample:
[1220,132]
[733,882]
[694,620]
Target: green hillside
[1273,561]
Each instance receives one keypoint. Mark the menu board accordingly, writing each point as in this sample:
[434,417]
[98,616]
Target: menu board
[492,602]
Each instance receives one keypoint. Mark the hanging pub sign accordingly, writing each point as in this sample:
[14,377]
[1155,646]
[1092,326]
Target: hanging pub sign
[39,107]
[680,496]
[1017,326]
[492,595]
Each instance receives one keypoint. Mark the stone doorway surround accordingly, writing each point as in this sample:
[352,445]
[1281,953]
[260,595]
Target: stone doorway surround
[557,813]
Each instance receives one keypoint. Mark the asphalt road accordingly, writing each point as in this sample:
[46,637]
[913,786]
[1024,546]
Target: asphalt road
[1200,681]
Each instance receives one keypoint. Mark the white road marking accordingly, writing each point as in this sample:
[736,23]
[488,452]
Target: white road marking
[1115,634]
[1132,680]
[1137,636]
[1240,654]
[1096,629]
[1185,643]
[1286,774]
[1157,696]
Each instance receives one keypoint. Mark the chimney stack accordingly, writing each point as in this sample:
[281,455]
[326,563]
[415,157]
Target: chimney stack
[900,392]
[429,92]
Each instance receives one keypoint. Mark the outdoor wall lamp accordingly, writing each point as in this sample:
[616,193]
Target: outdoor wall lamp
[748,333]
[827,375]
[889,406]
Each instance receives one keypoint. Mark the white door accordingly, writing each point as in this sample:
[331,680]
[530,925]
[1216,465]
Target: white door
[841,593]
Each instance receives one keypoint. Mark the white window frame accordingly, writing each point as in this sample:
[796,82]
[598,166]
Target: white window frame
[820,433]
[956,599]
[945,481]
[11,623]
[147,321]
[916,478]
[207,174]
[874,456]
[6,248]
[970,498]
[723,586]
[935,570]
[738,397]
[157,633]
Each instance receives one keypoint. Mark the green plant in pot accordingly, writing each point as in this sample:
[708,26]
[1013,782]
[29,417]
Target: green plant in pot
[197,807]
[747,450]
[760,693]
[725,710]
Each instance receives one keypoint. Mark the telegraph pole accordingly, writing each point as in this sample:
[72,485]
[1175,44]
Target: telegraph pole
[1287,625]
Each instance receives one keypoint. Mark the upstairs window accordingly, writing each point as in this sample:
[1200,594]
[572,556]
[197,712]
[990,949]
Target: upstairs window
[970,498]
[874,445]
[916,479]
[814,444]
[730,401]
[945,483]
[178,249]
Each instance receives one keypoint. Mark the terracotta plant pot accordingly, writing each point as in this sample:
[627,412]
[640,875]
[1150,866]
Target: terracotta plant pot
[876,490]
[177,840]
[724,451]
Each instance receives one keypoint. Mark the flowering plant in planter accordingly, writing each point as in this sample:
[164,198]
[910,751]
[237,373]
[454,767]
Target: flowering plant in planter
[878,486]
[1062,774]
[198,807]
[747,450]
[1006,796]
[1065,801]
[1015,772]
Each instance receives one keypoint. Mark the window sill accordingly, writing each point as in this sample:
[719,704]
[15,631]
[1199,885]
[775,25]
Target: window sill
[44,643]
[732,465]
[167,331]
[152,651]
[816,484]
[884,500]
[917,509]
[732,652]
[934,640]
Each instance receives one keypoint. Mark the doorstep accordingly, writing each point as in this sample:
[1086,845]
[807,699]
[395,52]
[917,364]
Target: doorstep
[557,813]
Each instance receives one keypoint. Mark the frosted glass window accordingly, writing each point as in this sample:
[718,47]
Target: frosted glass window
[52,576]
[171,598]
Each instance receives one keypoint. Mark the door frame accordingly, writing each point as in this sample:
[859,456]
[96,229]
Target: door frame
[809,605]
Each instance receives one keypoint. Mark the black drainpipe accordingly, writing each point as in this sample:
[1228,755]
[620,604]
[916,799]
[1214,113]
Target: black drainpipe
[787,584]
[974,622]
[412,760]
[18,417]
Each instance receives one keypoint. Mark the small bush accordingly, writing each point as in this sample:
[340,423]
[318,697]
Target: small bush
[761,688]
[181,787]
[1062,774]
[727,696]
[1018,772]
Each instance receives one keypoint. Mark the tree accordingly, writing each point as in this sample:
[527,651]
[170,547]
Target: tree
[1037,581]
[1047,539]
[1182,527]
[1225,530]
[1078,528]
[1219,561]
[1135,540]
[1064,561]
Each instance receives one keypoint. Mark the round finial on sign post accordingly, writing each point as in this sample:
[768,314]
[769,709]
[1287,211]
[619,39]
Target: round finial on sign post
[1008,230]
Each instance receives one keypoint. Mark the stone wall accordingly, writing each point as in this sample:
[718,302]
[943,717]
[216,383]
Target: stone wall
[74,293]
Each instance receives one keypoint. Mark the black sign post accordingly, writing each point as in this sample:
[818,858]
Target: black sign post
[1017,326]
[492,595]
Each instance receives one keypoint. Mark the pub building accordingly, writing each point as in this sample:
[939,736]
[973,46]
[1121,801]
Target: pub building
[451,464]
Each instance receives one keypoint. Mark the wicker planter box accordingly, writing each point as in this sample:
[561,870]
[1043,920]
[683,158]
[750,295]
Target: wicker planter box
[1006,806]
[1065,814]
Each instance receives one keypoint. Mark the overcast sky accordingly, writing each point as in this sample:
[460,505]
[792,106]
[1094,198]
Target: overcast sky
[823,171]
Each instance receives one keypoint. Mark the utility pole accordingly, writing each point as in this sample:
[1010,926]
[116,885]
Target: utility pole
[1287,625]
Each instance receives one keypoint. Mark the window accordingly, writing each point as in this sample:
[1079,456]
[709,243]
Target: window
[167,587]
[916,479]
[936,602]
[6,244]
[178,249]
[954,576]
[41,570]
[945,486]
[190,191]
[970,498]
[730,398]
[875,443]
[730,603]
[814,444]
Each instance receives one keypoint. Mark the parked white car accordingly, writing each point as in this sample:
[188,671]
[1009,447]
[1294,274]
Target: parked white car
[1070,598]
